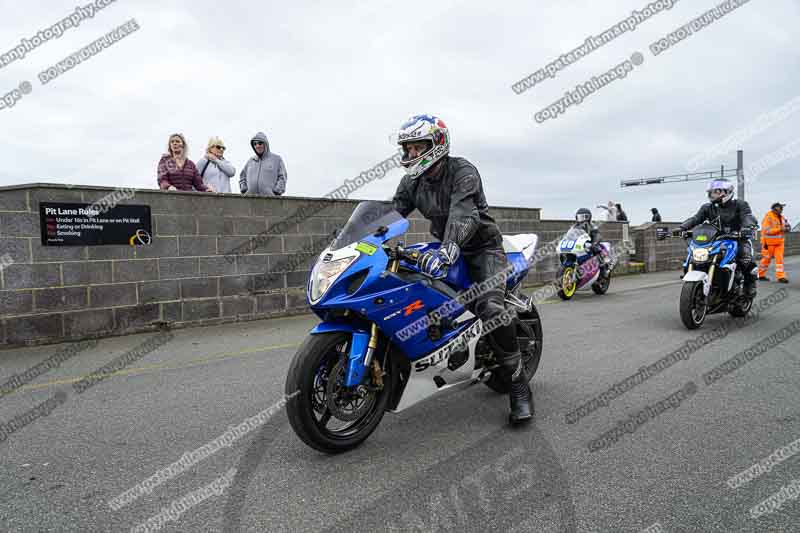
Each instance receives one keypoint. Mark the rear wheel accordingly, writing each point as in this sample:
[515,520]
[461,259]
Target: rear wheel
[529,335]
[741,307]
[693,306]
[567,282]
[326,415]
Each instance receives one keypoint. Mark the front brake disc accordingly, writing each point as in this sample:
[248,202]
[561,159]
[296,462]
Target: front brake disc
[346,405]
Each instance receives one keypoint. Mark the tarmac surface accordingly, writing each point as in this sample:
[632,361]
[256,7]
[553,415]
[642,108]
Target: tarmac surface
[449,464]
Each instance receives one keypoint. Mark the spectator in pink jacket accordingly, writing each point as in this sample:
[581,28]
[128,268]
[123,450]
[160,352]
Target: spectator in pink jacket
[175,171]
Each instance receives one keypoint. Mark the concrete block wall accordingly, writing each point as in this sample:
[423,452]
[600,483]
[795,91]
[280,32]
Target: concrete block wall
[670,254]
[52,294]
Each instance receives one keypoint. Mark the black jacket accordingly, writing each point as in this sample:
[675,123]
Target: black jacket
[735,215]
[454,203]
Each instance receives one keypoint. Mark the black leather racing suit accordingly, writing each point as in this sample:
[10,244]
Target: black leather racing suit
[734,215]
[451,197]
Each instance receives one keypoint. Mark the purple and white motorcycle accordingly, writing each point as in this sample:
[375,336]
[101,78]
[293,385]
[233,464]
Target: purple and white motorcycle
[580,269]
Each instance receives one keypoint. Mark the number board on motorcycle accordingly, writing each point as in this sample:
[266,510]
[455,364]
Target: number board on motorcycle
[366,248]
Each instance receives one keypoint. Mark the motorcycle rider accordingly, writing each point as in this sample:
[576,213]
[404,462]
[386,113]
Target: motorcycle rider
[448,192]
[583,221]
[734,215]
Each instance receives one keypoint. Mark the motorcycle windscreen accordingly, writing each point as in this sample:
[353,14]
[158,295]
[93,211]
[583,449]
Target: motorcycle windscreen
[704,234]
[366,219]
[574,234]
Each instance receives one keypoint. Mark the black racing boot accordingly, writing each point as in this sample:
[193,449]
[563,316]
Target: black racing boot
[512,371]
[520,397]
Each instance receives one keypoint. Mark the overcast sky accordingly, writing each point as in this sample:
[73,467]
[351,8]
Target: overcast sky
[329,84]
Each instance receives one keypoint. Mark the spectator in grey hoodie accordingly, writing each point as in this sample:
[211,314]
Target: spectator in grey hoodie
[215,170]
[264,174]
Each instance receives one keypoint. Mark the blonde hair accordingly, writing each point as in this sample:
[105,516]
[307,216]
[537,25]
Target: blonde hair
[183,140]
[213,141]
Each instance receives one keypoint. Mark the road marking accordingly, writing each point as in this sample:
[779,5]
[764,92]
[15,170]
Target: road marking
[163,366]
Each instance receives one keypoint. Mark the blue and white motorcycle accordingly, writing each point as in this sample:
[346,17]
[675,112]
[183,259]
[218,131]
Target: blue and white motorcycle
[711,282]
[379,346]
[579,268]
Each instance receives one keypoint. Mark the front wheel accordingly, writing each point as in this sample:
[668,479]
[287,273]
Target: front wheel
[529,336]
[326,415]
[693,306]
[567,282]
[601,285]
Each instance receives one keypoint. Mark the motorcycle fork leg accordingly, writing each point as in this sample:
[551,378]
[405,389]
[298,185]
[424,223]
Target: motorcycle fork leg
[371,345]
[711,270]
[371,364]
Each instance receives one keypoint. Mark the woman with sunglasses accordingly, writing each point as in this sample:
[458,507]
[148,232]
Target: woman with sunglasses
[175,171]
[215,170]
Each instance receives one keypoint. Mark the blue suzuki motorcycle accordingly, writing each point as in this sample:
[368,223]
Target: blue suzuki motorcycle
[390,336]
[711,282]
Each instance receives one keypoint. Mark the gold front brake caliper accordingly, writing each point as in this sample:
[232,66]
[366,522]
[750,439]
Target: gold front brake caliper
[377,374]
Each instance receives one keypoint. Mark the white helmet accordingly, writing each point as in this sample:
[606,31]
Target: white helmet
[430,130]
[720,191]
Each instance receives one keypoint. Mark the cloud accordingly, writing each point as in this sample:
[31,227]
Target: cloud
[328,83]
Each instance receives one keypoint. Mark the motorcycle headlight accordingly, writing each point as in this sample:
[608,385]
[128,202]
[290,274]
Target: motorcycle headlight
[700,255]
[324,274]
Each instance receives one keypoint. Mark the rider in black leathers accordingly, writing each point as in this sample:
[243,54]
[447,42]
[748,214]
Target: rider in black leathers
[448,192]
[733,215]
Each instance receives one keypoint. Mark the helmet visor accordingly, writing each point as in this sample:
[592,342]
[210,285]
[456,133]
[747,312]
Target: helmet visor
[716,194]
[414,150]
[583,217]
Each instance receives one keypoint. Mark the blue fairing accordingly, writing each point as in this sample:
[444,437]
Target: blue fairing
[521,267]
[394,301]
[731,248]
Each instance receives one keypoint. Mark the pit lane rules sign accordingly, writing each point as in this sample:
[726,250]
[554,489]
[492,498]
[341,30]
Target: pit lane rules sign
[64,224]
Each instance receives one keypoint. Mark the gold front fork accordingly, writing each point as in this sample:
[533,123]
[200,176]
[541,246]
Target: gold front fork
[372,345]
